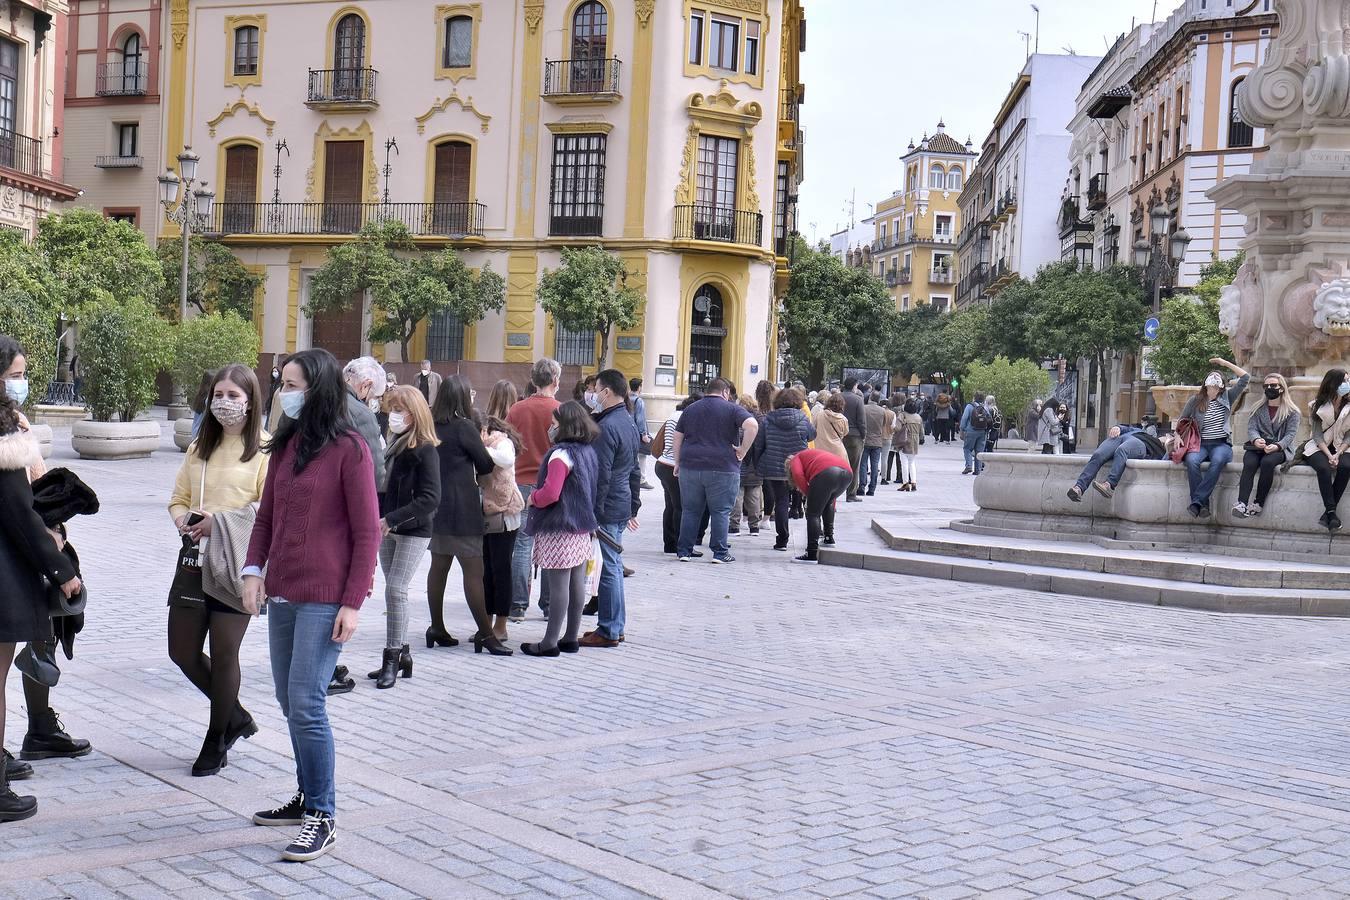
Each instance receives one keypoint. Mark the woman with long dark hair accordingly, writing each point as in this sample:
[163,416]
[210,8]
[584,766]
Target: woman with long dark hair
[29,556]
[457,528]
[1211,409]
[317,532]
[224,471]
[1330,417]
[411,494]
[562,520]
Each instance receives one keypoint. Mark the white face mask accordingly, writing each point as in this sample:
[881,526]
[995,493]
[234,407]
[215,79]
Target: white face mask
[398,422]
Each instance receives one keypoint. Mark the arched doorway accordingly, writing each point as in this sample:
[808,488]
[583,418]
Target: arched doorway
[707,334]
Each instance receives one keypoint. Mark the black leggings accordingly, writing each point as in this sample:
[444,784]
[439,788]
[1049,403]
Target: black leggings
[670,516]
[777,501]
[217,675]
[498,547]
[1253,460]
[821,494]
[1330,481]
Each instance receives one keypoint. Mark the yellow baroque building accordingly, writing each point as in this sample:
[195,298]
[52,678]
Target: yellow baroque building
[914,242]
[665,130]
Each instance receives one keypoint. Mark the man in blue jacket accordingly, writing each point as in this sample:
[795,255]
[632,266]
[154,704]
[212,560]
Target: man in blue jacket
[617,500]
[1123,443]
[974,428]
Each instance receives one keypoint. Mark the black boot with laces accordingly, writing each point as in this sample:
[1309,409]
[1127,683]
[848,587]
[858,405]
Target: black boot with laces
[47,739]
[12,806]
[318,833]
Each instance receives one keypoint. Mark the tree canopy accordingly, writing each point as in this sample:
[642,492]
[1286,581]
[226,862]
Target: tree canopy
[217,280]
[407,285]
[590,292]
[1189,336]
[93,260]
[835,315]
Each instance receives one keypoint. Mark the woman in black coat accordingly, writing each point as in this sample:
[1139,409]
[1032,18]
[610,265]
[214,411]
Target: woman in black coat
[785,431]
[29,556]
[457,528]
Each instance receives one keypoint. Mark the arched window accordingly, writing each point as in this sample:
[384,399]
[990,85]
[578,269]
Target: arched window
[937,178]
[954,178]
[458,42]
[1239,132]
[349,49]
[590,35]
[246,50]
[131,65]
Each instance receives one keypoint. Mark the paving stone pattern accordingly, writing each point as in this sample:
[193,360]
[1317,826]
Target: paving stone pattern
[767,729]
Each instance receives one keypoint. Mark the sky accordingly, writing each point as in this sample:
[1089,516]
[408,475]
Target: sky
[879,73]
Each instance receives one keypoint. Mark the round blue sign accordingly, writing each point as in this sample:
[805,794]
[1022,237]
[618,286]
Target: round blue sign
[1151,329]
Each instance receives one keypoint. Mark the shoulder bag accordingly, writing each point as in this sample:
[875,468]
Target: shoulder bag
[186,589]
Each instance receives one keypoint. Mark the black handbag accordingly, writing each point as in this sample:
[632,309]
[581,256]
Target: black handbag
[186,589]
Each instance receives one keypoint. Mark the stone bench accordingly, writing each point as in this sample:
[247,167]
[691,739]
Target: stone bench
[1027,493]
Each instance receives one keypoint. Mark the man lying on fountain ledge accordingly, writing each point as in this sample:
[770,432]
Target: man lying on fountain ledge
[1123,443]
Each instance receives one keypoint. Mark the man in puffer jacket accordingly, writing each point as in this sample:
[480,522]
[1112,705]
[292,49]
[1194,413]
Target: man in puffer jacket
[785,431]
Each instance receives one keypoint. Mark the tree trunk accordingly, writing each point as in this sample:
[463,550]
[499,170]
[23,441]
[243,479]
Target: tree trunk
[604,347]
[404,340]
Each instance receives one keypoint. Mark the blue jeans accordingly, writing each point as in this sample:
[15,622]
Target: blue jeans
[522,566]
[1219,454]
[1119,450]
[303,656]
[973,445]
[611,619]
[714,492]
[870,469]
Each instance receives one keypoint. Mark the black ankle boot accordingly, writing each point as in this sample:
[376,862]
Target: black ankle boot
[213,757]
[12,806]
[241,726]
[388,673]
[15,770]
[46,739]
[405,662]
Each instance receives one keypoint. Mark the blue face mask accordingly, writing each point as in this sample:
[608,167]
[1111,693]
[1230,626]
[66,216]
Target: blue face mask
[292,402]
[17,389]
[1343,389]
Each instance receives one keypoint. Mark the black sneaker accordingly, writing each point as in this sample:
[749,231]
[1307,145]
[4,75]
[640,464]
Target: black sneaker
[291,814]
[318,833]
[828,540]
[733,531]
[805,558]
[780,547]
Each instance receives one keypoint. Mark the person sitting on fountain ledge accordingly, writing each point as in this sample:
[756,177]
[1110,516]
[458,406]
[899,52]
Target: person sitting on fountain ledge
[1123,443]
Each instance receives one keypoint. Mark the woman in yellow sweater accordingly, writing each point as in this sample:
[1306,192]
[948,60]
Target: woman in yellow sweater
[224,470]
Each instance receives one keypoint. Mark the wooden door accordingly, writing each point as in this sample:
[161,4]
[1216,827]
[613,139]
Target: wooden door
[344,162]
[450,190]
[339,331]
[238,203]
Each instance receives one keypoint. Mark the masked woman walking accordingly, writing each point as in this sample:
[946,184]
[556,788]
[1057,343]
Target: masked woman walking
[221,479]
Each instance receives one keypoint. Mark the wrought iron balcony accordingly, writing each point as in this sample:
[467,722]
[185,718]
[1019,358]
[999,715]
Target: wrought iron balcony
[421,219]
[118,162]
[342,88]
[892,277]
[21,153]
[707,222]
[940,276]
[590,78]
[1071,219]
[1096,194]
[121,79]
[788,107]
[906,276]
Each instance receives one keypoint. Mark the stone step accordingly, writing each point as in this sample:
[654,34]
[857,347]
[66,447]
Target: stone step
[1103,585]
[1099,555]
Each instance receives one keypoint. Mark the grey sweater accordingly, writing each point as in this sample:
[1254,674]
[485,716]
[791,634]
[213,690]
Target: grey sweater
[1260,425]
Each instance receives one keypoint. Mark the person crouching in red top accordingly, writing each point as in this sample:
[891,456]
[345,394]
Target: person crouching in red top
[821,477]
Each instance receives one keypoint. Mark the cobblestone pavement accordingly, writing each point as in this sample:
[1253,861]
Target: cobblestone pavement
[767,729]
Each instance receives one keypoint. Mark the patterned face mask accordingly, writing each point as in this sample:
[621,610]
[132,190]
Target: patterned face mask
[229,412]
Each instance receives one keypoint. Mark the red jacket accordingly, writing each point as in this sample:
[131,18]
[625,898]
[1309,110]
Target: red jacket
[807,464]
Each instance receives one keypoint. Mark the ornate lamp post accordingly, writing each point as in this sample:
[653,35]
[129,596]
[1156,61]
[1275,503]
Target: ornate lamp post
[1160,256]
[190,213]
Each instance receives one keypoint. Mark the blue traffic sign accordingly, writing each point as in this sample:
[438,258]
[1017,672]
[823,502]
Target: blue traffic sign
[1151,329]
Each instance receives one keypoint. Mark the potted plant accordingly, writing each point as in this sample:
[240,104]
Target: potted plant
[206,343]
[1188,338]
[123,346]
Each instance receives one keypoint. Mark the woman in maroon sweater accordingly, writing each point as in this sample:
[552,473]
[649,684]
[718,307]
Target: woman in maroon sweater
[317,533]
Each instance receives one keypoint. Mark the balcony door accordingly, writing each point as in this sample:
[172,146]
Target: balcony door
[451,187]
[239,202]
[339,330]
[9,102]
[344,161]
[590,32]
[349,57]
[715,211]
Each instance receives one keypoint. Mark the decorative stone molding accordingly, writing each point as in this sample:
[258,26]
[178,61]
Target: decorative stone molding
[723,108]
[644,9]
[440,106]
[240,105]
[684,188]
[534,14]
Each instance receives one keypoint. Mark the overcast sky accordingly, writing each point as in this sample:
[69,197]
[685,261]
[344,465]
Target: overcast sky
[880,72]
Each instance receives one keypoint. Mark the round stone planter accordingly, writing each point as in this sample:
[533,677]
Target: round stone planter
[1170,399]
[182,433]
[115,440]
[43,435]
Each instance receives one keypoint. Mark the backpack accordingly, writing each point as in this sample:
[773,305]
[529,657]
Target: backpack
[979,418]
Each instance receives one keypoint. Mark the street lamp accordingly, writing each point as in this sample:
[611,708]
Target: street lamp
[1160,256]
[187,206]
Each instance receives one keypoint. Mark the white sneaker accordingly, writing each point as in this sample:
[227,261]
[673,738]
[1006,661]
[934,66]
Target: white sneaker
[1253,510]
[1240,509]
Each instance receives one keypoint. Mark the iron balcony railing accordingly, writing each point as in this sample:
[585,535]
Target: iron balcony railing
[707,222]
[1096,193]
[940,276]
[421,219]
[787,105]
[905,277]
[886,242]
[121,79]
[892,277]
[577,226]
[342,85]
[21,153]
[118,162]
[581,76]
